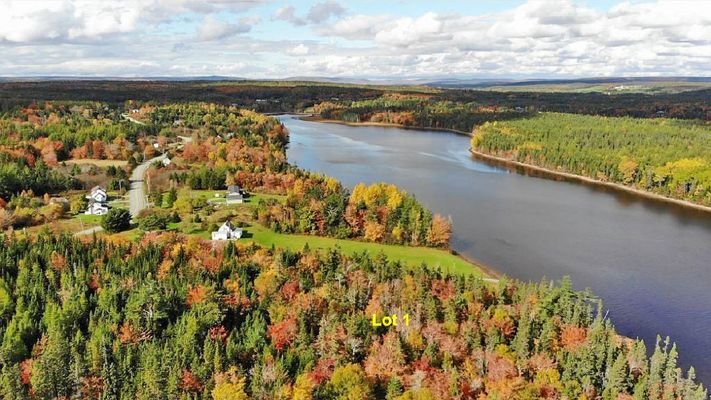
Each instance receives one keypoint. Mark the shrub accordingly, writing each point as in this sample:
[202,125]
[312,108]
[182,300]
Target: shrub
[116,220]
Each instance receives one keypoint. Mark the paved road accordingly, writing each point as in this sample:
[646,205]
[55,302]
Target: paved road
[137,195]
[135,121]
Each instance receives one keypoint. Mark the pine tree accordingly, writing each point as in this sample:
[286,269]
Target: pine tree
[49,372]
[110,376]
[617,381]
[394,389]
[11,387]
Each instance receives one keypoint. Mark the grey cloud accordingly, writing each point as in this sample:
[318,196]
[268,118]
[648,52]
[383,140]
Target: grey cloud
[288,13]
[318,13]
[321,12]
[214,29]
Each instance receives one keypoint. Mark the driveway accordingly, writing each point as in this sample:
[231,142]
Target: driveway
[137,200]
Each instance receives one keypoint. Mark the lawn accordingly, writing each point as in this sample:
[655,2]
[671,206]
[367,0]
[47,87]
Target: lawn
[411,256]
[253,198]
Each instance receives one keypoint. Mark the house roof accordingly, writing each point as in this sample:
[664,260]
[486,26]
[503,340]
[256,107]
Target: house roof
[228,226]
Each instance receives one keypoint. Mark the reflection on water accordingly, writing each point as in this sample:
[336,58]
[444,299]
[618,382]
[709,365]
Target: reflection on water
[649,261]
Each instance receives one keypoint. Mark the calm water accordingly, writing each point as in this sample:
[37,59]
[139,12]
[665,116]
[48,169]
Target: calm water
[649,262]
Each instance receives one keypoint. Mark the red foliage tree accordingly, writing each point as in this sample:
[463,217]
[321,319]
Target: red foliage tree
[283,333]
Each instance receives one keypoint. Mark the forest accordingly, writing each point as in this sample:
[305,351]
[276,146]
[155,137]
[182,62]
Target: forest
[665,156]
[168,315]
[175,317]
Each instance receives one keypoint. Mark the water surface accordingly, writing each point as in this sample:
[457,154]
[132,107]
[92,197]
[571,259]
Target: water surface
[650,262]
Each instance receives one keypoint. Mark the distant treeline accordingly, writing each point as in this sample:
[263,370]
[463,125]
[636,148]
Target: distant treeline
[297,96]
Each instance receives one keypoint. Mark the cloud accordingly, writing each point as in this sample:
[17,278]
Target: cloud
[61,20]
[543,39]
[288,13]
[410,31]
[357,27]
[214,29]
[299,50]
[318,13]
[321,12]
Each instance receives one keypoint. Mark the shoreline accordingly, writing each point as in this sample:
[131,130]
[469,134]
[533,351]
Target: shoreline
[490,274]
[312,118]
[584,179]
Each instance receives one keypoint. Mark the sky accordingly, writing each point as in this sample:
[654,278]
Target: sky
[381,39]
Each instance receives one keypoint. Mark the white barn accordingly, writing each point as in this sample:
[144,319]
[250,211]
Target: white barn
[227,232]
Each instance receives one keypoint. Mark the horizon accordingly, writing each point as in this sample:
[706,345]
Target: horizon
[266,40]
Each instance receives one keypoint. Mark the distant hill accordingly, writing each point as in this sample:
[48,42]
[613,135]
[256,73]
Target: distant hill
[609,85]
[613,85]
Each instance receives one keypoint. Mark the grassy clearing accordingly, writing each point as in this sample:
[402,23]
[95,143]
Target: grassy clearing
[410,256]
[253,198]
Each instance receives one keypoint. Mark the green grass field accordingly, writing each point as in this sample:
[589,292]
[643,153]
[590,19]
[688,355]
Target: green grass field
[411,256]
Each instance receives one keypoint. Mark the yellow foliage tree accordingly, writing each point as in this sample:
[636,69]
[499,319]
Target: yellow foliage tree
[374,232]
[349,383]
[303,388]
[439,232]
[229,386]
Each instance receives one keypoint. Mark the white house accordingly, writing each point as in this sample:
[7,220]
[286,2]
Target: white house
[98,194]
[166,162]
[227,232]
[235,195]
[96,209]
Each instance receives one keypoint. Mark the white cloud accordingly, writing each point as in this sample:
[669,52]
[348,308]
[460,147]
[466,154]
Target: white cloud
[215,29]
[299,50]
[31,21]
[154,37]
[318,13]
[357,27]
[408,31]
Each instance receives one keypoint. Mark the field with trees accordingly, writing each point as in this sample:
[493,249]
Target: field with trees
[664,156]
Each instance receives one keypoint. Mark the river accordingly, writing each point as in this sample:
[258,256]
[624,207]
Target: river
[650,262]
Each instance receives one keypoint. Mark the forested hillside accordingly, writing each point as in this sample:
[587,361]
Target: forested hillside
[174,317]
[664,156]
[420,111]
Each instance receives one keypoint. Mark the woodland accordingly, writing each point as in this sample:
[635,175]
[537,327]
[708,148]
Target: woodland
[170,315]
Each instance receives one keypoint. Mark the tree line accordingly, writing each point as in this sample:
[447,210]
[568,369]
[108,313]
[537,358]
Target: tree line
[664,156]
[380,212]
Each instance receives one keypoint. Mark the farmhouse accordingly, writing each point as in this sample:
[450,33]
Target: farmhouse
[97,194]
[96,208]
[227,232]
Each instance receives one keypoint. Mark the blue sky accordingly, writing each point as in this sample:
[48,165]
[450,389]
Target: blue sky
[355,39]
